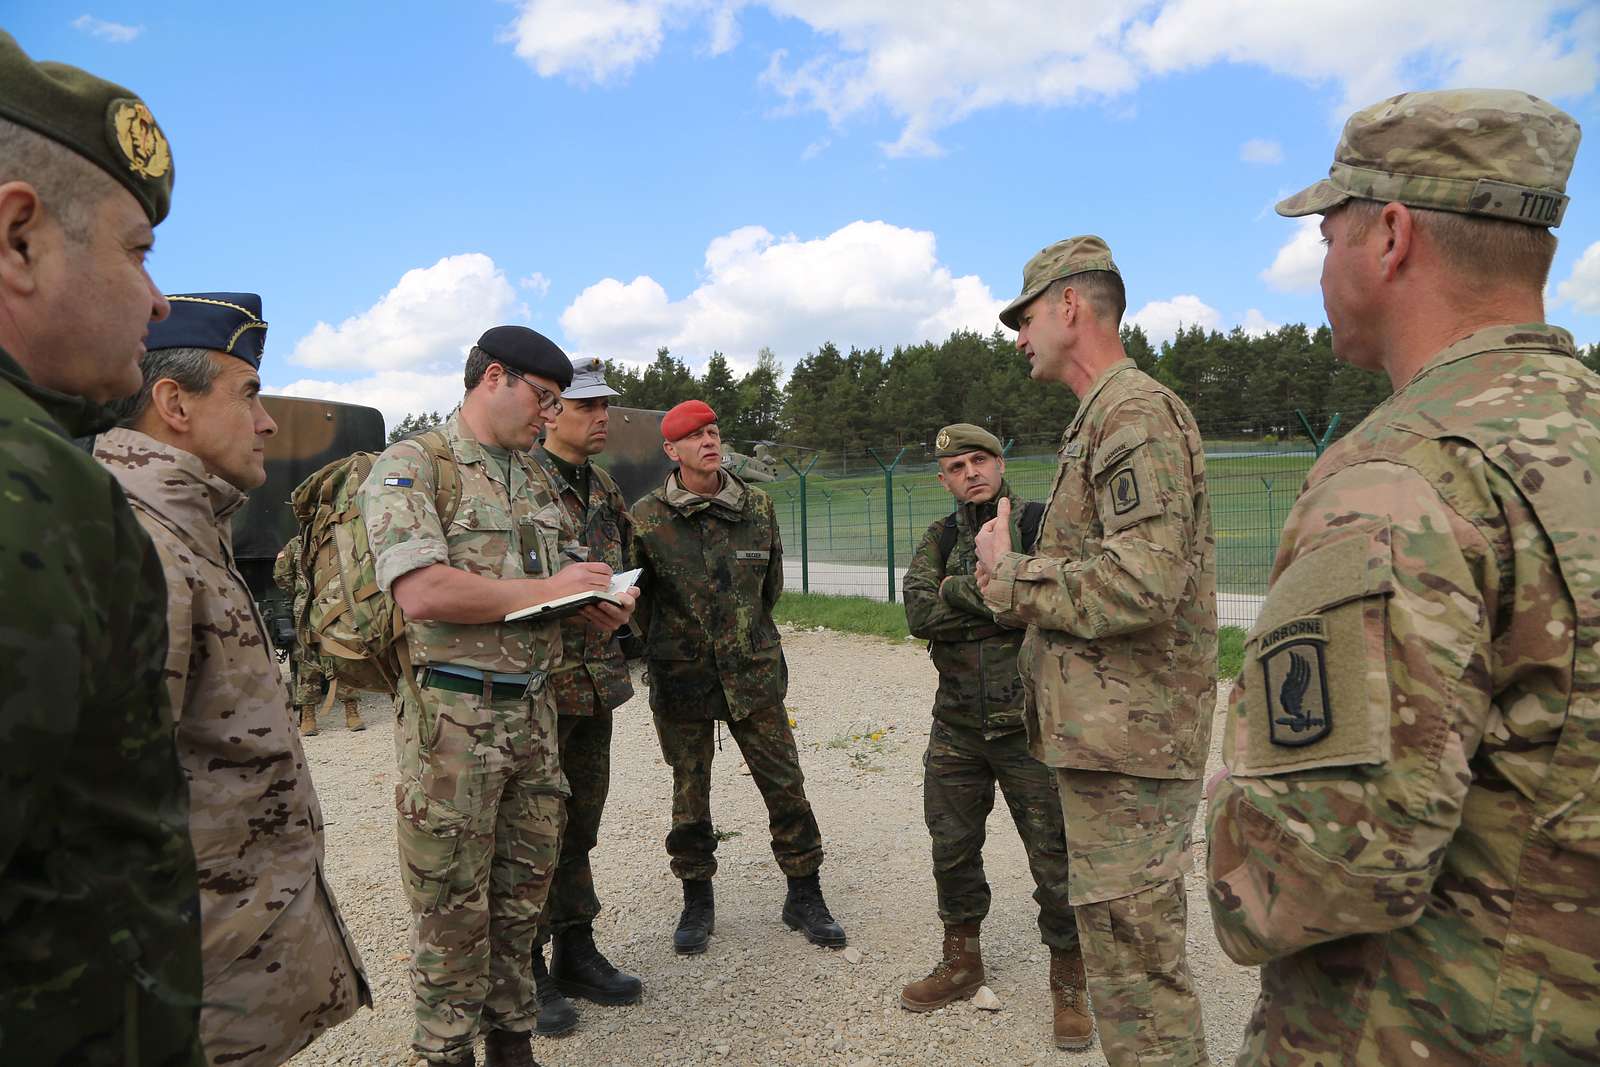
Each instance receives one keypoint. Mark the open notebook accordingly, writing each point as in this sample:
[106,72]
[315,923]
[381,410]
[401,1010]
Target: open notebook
[561,607]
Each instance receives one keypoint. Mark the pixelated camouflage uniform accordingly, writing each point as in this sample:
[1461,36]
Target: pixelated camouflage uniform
[1121,663]
[280,967]
[480,796]
[591,682]
[712,570]
[977,737]
[310,681]
[99,914]
[1408,840]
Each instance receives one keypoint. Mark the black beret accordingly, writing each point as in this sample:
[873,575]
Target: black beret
[100,120]
[528,351]
[220,322]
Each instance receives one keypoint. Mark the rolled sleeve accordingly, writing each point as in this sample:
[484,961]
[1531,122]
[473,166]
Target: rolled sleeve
[401,516]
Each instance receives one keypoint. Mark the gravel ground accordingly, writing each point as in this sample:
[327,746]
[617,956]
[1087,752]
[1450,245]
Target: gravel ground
[761,994]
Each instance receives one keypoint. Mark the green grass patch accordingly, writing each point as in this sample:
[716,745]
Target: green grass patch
[1230,652]
[851,614]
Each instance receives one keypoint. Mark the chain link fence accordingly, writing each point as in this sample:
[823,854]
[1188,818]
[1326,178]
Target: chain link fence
[852,520]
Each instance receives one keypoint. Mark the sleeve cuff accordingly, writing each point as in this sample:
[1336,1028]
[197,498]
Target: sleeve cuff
[394,563]
[1001,594]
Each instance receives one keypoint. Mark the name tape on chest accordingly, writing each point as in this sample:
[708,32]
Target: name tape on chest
[750,555]
[404,483]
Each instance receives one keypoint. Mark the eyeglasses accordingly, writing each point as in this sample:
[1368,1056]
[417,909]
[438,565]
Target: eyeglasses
[548,401]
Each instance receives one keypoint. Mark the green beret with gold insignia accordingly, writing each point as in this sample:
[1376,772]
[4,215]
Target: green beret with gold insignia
[99,120]
[959,438]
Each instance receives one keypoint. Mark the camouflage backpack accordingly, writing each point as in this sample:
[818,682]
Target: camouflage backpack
[355,629]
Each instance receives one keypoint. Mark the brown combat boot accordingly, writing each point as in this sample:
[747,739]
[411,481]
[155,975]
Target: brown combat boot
[308,720]
[501,1048]
[1069,996]
[352,716]
[959,974]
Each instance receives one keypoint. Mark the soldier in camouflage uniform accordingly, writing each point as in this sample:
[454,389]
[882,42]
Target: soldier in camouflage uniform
[309,679]
[280,967]
[712,563]
[591,682]
[99,915]
[977,740]
[480,794]
[1407,841]
[1121,653]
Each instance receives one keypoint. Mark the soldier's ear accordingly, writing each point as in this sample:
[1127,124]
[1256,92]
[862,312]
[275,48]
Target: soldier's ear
[22,218]
[170,406]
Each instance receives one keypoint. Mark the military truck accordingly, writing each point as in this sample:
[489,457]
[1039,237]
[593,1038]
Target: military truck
[313,433]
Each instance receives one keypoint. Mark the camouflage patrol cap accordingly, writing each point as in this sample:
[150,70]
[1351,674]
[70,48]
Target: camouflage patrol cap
[1061,260]
[1492,152]
[99,120]
[588,380]
[959,438]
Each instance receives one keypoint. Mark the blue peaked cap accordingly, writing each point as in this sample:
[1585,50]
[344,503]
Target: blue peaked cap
[221,322]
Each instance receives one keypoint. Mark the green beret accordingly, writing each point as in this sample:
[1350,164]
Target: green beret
[959,438]
[1060,260]
[1491,152]
[100,120]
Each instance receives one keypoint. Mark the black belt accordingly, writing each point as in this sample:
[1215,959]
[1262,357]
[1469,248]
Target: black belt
[457,683]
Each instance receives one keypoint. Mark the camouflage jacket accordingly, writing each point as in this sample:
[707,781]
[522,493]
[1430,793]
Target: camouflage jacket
[98,908]
[499,531]
[286,575]
[254,817]
[976,657]
[1410,839]
[713,569]
[1121,598]
[593,676]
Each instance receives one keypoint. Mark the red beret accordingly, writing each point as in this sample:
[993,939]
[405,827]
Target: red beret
[685,419]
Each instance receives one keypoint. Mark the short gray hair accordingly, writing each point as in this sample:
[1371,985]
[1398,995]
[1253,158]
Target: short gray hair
[1100,289]
[192,368]
[70,186]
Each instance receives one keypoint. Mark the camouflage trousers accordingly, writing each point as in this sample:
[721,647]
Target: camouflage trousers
[294,983]
[960,770]
[586,762]
[310,684]
[1128,842]
[768,747]
[480,815]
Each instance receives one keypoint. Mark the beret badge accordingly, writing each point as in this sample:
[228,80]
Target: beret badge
[135,134]
[942,442]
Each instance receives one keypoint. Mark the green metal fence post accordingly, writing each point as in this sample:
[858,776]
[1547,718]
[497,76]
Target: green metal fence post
[888,504]
[805,524]
[1319,443]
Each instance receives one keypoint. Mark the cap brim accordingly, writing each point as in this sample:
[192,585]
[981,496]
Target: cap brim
[1316,199]
[589,392]
[1012,311]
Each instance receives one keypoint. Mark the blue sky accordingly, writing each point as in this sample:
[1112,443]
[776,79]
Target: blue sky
[732,174]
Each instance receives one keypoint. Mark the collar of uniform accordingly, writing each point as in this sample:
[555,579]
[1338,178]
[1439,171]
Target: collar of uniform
[1100,383]
[729,498]
[568,473]
[975,515]
[77,416]
[1531,336]
[462,443]
[173,484]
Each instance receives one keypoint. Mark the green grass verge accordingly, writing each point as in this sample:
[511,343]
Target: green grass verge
[1230,652]
[851,614]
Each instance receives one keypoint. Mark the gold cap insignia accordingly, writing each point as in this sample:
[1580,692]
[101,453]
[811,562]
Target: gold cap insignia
[942,442]
[142,143]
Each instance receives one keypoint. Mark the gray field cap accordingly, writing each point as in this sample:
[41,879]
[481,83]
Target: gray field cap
[588,381]
[1061,260]
[1492,152]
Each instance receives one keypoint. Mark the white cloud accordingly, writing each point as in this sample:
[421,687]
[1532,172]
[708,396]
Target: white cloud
[1256,324]
[115,32]
[931,64]
[1160,319]
[1298,265]
[868,283]
[537,282]
[396,393]
[1582,287]
[1256,150]
[431,316]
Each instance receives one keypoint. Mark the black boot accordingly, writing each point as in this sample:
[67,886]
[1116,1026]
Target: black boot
[580,970]
[502,1048]
[804,909]
[557,1015]
[698,920]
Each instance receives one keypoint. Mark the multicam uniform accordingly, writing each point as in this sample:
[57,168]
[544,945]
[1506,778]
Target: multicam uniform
[591,682]
[480,795]
[977,736]
[713,569]
[309,679]
[1120,660]
[1408,840]
[99,931]
[280,967]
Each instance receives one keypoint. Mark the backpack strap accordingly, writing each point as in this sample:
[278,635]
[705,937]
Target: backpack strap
[446,479]
[1028,524]
[947,538]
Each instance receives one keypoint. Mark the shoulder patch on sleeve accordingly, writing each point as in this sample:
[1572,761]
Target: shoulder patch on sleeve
[1294,669]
